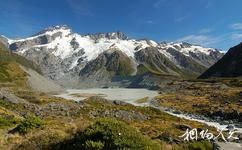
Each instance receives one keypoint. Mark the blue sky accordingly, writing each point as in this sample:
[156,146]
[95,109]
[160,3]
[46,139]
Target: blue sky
[212,23]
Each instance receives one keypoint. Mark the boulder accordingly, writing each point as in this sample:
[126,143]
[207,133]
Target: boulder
[183,127]
[7,96]
[230,127]
[240,93]
[168,138]
[117,102]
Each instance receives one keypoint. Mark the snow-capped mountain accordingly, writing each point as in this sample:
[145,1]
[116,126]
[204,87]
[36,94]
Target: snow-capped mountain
[64,55]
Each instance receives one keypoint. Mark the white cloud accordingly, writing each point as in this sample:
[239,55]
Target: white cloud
[236,26]
[200,39]
[182,18]
[236,36]
[205,37]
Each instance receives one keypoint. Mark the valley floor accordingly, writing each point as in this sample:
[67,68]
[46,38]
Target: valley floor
[35,120]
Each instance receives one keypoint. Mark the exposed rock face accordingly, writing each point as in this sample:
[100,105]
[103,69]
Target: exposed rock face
[41,38]
[228,66]
[38,83]
[67,57]
[115,35]
[8,96]
[186,62]
[155,61]
[54,67]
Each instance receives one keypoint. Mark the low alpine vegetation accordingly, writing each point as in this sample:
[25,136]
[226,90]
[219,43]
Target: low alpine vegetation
[31,122]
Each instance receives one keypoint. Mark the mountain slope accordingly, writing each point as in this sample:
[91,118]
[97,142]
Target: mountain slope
[108,65]
[113,60]
[186,62]
[17,71]
[4,40]
[7,56]
[64,55]
[156,62]
[228,66]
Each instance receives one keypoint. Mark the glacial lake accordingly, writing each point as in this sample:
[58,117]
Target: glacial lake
[129,95]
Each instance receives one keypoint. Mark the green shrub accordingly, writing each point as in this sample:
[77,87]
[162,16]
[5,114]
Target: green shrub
[113,134]
[31,122]
[91,145]
[4,75]
[6,122]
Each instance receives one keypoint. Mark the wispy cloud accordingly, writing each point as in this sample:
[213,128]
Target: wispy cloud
[80,7]
[182,18]
[203,37]
[149,21]
[212,40]
[236,26]
[205,30]
[200,39]
[209,4]
[159,3]
[236,36]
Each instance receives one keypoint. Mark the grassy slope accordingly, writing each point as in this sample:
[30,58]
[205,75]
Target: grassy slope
[125,65]
[10,72]
[8,57]
[204,96]
[61,130]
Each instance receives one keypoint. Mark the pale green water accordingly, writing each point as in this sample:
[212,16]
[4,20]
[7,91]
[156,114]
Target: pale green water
[122,94]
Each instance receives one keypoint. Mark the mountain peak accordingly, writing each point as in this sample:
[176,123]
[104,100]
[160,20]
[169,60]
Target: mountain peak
[182,44]
[54,28]
[109,35]
[57,27]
